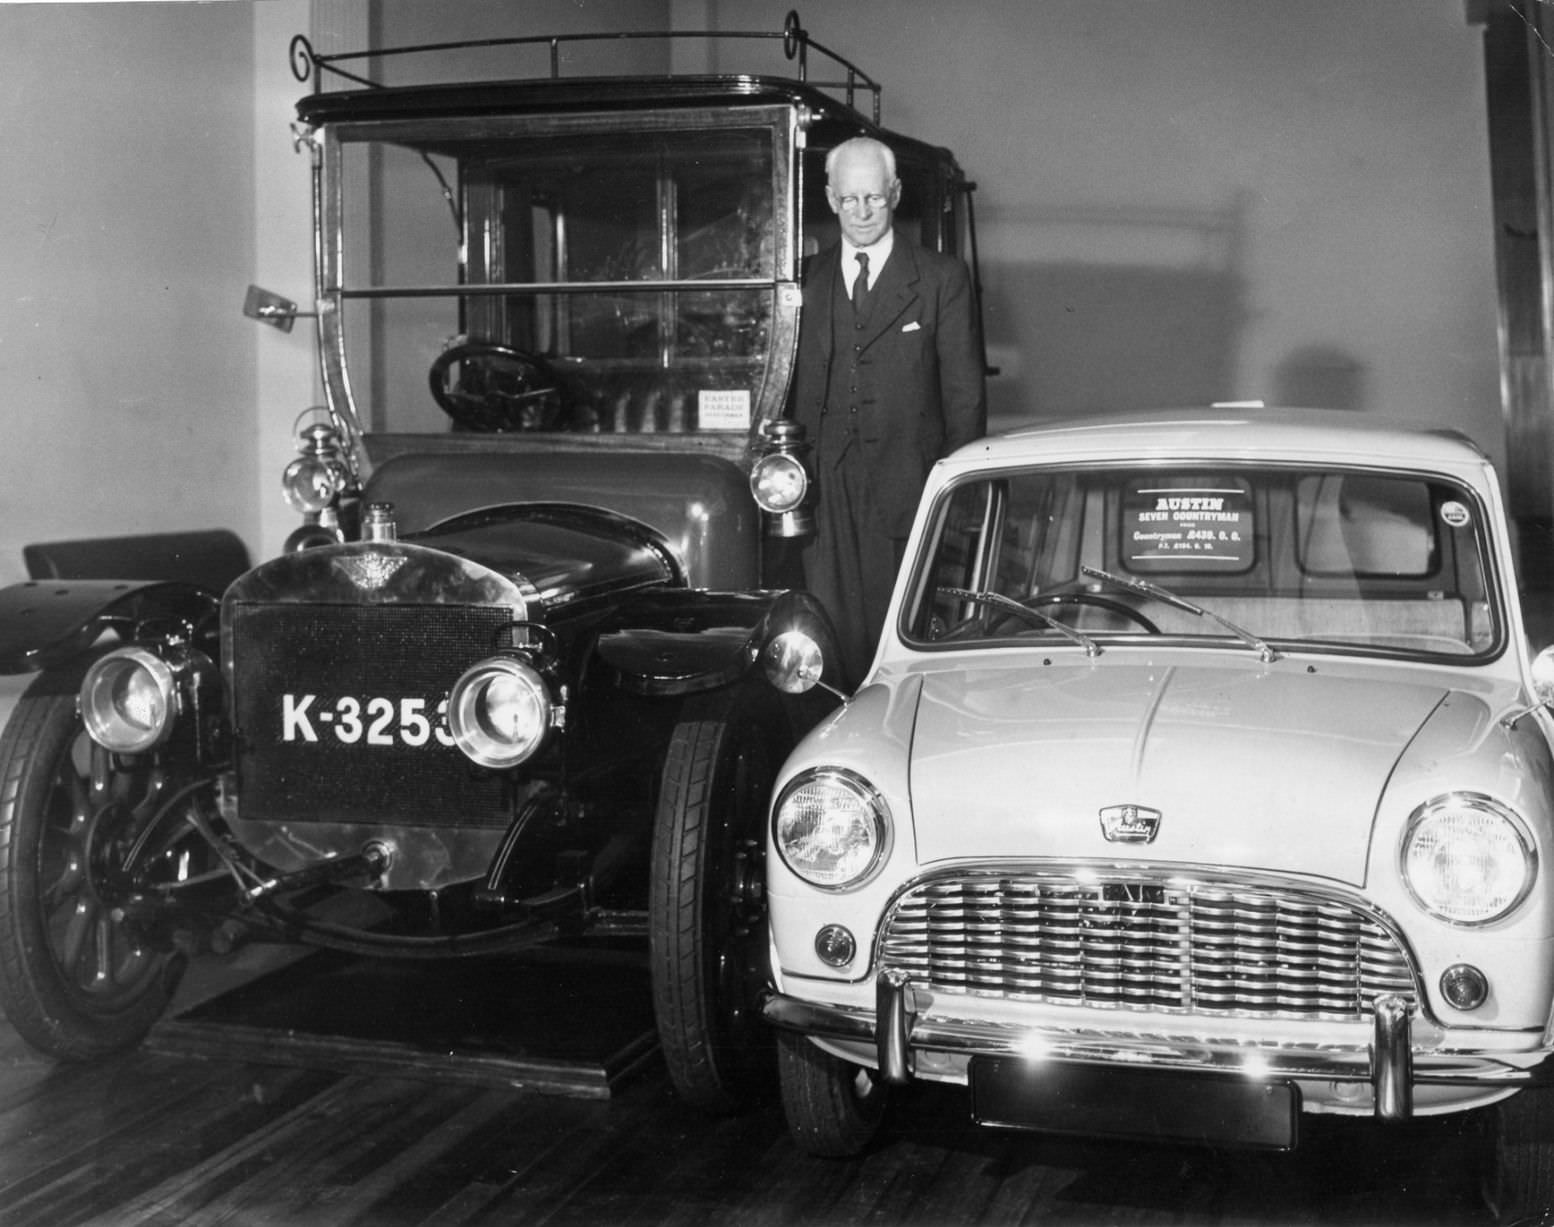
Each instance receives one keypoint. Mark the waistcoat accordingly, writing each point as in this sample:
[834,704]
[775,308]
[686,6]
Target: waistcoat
[850,383]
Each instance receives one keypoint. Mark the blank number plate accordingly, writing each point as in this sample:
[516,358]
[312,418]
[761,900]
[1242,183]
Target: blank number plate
[1100,1101]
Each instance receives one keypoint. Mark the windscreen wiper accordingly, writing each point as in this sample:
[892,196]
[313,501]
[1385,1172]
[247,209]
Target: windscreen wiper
[999,601]
[1265,651]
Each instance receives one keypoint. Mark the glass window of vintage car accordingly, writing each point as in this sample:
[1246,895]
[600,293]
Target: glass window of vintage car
[1329,559]
[636,262]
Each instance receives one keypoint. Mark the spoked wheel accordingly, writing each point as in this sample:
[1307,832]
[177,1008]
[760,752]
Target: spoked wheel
[707,910]
[76,978]
[834,1108]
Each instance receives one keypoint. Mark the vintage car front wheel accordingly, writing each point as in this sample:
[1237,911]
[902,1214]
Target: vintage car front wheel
[1519,1182]
[76,979]
[834,1107]
[706,908]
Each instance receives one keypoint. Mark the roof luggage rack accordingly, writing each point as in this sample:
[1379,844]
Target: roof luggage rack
[796,44]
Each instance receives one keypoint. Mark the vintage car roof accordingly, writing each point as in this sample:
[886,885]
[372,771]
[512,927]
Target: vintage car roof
[1288,434]
[573,95]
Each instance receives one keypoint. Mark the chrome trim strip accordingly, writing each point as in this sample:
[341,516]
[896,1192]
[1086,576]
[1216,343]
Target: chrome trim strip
[1192,1054]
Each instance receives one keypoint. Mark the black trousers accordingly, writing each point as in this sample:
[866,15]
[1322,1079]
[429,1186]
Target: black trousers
[849,567]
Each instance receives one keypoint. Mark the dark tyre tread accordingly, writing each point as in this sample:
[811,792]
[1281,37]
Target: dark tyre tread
[834,1108]
[716,1053]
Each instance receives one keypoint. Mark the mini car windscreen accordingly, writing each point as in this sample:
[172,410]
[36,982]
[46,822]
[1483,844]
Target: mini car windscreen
[561,278]
[1337,559]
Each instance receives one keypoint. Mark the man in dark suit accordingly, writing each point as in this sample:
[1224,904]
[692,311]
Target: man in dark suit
[889,378]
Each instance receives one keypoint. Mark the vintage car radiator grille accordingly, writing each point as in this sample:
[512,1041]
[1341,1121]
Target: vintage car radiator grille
[326,661]
[1192,947]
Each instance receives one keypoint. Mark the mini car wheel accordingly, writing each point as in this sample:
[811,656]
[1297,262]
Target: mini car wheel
[1519,1182]
[834,1107]
[76,980]
[706,907]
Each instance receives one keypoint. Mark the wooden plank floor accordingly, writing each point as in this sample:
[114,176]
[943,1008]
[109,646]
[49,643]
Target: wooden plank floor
[154,1139]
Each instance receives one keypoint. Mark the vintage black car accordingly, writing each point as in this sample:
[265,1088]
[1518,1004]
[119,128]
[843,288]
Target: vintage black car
[512,679]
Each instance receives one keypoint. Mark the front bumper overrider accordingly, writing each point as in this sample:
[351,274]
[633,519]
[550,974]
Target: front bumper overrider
[898,1032]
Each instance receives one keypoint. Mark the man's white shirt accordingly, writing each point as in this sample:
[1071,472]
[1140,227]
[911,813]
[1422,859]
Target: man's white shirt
[878,254]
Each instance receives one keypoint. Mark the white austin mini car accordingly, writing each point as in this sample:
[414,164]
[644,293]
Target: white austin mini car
[1203,780]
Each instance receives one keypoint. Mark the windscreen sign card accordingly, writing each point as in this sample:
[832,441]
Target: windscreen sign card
[1196,523]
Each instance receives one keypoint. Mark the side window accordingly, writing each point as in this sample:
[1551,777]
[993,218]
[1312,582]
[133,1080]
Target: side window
[1373,526]
[965,556]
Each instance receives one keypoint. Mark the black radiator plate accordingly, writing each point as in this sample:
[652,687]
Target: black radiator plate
[337,716]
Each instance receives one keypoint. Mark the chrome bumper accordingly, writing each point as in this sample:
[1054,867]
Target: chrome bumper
[896,1030]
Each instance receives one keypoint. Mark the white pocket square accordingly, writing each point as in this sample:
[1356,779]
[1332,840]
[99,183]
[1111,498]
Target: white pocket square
[912,327]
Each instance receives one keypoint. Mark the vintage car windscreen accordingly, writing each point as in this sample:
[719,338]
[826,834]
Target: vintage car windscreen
[563,225]
[1338,559]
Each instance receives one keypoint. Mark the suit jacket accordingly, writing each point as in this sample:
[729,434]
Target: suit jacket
[926,371]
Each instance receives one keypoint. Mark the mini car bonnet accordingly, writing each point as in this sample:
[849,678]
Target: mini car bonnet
[1245,767]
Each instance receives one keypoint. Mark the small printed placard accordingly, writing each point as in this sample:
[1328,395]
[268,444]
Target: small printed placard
[727,409]
[1188,525]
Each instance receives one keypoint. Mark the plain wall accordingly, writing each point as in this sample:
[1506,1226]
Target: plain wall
[1178,201]
[1182,201]
[127,371]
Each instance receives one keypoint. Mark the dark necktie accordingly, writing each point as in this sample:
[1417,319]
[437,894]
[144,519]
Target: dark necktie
[861,284]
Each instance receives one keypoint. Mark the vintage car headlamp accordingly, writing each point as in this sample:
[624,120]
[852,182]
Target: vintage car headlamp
[309,484]
[499,712]
[780,481]
[831,827]
[793,662]
[312,481]
[129,700]
[1467,859]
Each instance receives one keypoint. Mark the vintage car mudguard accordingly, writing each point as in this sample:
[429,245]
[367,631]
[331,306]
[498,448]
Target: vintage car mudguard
[48,623]
[683,642]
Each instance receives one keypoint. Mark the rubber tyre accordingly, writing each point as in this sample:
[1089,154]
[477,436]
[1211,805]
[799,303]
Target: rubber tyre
[834,1108]
[706,907]
[1519,1179]
[75,982]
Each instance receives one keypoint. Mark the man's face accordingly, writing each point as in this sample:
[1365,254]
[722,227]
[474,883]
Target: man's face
[861,196]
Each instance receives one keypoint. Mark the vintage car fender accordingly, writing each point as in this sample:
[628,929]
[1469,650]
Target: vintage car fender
[48,623]
[681,642]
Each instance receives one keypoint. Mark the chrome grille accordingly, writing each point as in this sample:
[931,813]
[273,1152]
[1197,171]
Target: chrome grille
[1145,943]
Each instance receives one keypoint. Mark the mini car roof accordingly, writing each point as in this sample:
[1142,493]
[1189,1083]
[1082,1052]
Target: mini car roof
[1250,434]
